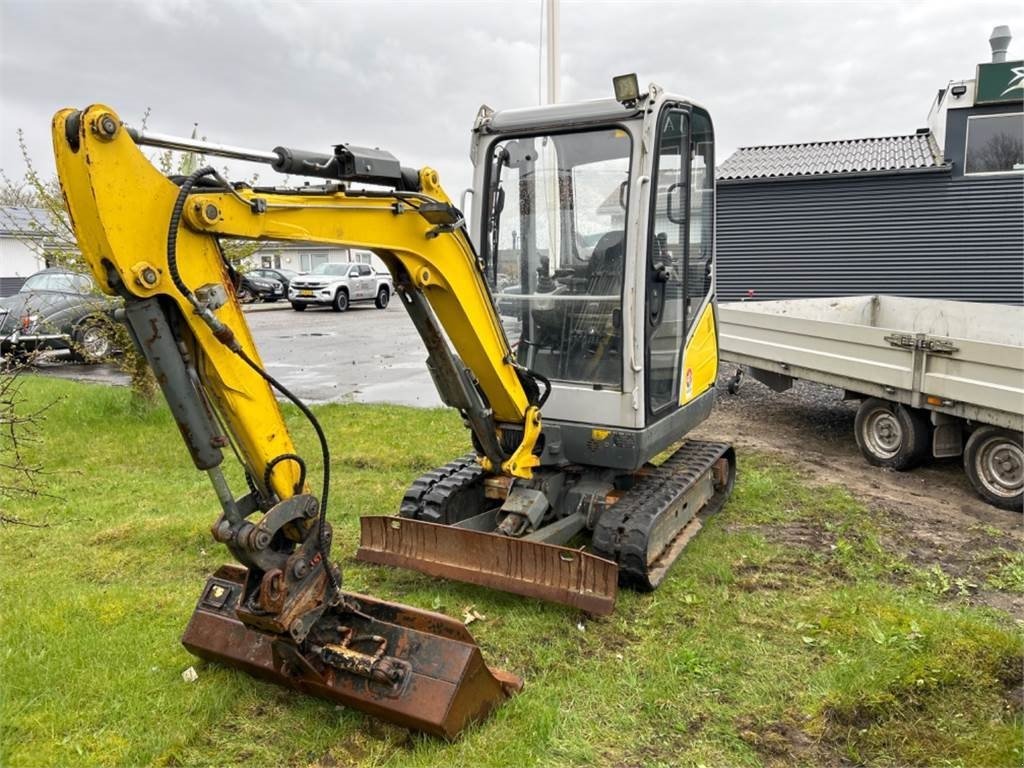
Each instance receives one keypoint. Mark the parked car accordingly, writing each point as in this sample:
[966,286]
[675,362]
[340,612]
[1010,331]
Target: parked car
[283,276]
[57,309]
[338,285]
[253,287]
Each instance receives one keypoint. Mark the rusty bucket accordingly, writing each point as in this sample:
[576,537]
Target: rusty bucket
[418,669]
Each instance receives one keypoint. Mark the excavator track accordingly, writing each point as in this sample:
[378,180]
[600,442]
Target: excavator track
[432,496]
[635,541]
[648,528]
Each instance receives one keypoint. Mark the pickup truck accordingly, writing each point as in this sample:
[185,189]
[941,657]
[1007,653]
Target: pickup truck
[338,285]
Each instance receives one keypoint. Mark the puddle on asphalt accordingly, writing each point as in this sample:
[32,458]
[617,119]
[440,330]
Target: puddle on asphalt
[416,392]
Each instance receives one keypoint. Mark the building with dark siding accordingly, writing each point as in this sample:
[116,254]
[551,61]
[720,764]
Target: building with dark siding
[935,214]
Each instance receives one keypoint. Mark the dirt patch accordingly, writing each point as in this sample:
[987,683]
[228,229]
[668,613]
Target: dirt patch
[783,742]
[930,515]
[961,551]
[663,748]
[805,534]
[784,572]
[1015,699]
[1010,602]
[356,749]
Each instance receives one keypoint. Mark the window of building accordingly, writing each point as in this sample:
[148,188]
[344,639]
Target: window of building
[309,261]
[995,144]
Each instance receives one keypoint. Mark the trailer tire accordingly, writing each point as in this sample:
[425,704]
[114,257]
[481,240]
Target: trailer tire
[994,463]
[892,435]
[734,383]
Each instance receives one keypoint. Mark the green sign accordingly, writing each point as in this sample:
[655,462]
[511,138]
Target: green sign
[1000,83]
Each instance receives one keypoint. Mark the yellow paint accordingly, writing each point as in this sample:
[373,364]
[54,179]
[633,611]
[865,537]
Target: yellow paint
[700,360]
[120,206]
[522,461]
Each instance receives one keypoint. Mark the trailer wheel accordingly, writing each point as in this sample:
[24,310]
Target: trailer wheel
[892,435]
[994,463]
[734,383]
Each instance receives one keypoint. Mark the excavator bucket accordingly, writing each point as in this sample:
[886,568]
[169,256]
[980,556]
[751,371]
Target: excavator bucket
[434,679]
[530,568]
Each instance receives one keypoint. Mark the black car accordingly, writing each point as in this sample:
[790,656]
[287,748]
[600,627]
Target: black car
[252,287]
[283,276]
[57,309]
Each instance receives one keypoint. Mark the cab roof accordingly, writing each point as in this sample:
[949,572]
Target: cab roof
[570,115]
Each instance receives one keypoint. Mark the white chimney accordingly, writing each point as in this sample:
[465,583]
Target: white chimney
[1000,42]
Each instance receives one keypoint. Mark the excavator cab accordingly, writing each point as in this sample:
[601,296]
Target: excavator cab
[594,225]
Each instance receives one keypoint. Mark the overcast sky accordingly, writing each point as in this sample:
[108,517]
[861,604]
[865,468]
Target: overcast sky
[409,77]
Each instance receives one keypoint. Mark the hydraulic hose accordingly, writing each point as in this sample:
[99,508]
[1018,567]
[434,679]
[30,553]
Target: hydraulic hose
[226,337]
[172,230]
[324,450]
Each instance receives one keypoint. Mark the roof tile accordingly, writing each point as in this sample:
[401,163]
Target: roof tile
[891,153]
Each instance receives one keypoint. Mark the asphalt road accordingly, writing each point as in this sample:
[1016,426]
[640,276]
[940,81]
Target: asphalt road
[363,355]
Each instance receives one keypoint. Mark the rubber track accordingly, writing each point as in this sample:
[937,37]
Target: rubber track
[621,533]
[427,495]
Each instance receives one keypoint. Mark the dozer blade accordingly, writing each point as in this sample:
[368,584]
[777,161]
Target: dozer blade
[442,686]
[520,566]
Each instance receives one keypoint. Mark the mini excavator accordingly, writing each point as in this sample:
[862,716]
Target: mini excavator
[584,291]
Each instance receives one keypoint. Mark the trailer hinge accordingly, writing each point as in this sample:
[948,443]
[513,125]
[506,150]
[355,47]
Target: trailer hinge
[921,342]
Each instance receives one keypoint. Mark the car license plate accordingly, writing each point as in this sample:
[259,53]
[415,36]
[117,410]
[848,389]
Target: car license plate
[308,294]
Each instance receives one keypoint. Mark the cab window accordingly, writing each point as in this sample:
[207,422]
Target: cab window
[555,250]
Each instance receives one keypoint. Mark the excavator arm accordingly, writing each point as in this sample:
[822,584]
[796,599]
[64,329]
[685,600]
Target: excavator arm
[155,243]
[420,238]
[418,235]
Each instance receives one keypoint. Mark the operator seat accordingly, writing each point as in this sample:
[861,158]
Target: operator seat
[595,327]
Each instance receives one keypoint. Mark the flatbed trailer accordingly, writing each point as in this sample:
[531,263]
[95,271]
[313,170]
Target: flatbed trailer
[935,378]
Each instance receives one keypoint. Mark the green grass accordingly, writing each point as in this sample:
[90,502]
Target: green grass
[787,635]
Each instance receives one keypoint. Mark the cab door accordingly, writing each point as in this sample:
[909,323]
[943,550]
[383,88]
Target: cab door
[680,335]
[665,317]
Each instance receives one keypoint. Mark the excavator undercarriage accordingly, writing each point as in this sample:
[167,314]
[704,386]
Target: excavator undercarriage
[639,524]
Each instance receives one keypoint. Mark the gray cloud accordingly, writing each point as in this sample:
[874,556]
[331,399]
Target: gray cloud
[409,76]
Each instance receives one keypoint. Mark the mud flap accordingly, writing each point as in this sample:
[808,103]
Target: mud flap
[444,686]
[523,567]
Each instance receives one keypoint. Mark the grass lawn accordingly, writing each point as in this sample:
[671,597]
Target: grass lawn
[787,635]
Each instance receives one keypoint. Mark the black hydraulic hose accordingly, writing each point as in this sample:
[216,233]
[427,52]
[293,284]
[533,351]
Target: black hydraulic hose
[175,223]
[227,338]
[285,457]
[547,386]
[325,451]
